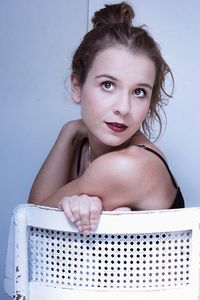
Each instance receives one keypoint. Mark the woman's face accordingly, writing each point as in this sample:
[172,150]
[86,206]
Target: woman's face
[116,94]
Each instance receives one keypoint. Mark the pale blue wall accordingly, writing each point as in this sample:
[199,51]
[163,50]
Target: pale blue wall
[36,42]
[176,27]
[37,39]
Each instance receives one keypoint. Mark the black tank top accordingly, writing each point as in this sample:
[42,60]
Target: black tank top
[178,201]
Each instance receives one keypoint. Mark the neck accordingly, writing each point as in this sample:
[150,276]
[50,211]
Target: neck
[97,149]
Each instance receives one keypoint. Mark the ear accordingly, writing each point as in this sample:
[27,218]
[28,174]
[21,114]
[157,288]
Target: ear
[75,89]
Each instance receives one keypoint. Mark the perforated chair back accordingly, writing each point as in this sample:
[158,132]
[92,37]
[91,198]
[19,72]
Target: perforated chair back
[135,255]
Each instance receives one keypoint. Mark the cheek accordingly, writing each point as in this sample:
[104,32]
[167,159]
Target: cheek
[89,110]
[93,104]
[141,110]
[147,107]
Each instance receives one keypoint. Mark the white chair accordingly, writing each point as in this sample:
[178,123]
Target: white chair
[135,255]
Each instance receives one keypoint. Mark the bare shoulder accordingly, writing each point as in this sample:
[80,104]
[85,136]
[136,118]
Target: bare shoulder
[132,177]
[74,128]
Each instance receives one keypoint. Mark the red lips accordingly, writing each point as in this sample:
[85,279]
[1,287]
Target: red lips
[116,127]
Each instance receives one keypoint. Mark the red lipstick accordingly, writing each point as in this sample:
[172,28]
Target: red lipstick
[116,127]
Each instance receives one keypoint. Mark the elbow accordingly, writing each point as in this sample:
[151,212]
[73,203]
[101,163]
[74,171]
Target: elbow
[50,201]
[36,201]
[32,199]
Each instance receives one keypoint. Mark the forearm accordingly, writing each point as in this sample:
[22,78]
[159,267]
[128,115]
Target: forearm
[67,190]
[55,171]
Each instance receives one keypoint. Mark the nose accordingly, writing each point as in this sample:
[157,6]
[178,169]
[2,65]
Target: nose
[122,105]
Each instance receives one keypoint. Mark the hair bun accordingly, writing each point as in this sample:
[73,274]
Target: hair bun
[113,14]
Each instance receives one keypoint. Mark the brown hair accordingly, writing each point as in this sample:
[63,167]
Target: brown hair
[112,26]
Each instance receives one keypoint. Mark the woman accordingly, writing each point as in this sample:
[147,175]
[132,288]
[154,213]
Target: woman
[106,161]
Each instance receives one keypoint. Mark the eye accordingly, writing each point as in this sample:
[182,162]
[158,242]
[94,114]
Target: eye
[108,86]
[141,93]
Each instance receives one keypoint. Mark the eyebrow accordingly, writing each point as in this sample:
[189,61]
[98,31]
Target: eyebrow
[147,85]
[108,76]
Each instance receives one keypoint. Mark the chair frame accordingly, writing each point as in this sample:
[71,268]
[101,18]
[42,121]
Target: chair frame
[16,280]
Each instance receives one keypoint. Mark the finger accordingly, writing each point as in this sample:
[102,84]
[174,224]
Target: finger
[95,210]
[75,209]
[65,206]
[85,215]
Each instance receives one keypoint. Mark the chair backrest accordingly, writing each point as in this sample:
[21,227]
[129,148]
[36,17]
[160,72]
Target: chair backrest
[135,255]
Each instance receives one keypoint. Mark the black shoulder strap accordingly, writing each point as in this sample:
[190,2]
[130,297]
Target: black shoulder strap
[80,154]
[163,160]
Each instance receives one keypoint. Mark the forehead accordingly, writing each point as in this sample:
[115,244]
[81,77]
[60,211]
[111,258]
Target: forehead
[122,62]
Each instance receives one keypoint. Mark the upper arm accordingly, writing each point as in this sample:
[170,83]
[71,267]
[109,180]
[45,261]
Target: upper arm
[107,178]
[120,179]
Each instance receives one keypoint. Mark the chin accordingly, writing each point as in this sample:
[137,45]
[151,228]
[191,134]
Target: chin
[109,140]
[115,142]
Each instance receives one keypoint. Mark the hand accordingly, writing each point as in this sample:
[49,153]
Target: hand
[82,210]
[81,128]
[77,127]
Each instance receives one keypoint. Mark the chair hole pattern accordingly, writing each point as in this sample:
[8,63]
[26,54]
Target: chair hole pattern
[110,261]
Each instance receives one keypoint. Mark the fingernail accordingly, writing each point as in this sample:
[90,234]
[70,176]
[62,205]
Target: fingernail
[93,227]
[79,228]
[86,232]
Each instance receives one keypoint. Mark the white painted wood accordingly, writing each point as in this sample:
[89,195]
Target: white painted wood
[111,223]
[21,283]
[41,291]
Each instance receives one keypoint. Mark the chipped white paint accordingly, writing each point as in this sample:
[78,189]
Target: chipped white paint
[21,254]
